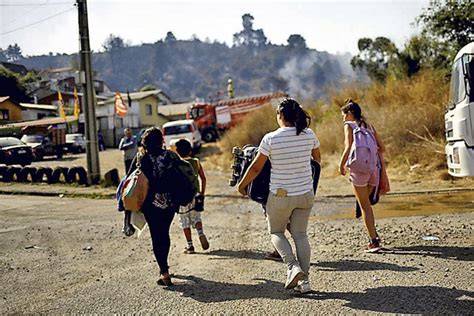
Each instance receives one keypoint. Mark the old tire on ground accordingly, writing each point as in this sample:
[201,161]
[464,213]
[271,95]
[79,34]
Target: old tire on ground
[25,172]
[41,173]
[77,174]
[57,173]
[11,174]
[111,178]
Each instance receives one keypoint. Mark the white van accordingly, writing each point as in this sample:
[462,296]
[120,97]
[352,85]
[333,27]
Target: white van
[175,130]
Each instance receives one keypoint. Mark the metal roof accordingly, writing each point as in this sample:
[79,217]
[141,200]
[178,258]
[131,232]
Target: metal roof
[48,107]
[45,121]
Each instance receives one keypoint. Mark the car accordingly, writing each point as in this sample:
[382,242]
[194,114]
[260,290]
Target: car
[42,146]
[14,152]
[175,130]
[75,143]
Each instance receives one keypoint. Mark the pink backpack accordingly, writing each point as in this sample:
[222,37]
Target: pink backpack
[363,156]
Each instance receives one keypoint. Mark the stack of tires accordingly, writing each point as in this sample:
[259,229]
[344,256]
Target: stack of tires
[43,174]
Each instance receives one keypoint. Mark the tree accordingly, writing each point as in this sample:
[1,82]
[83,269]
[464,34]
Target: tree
[113,43]
[449,21]
[13,53]
[296,41]
[170,38]
[375,56]
[3,55]
[248,36]
[447,27]
[11,85]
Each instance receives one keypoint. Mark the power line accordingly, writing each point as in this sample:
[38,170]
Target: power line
[37,22]
[21,15]
[32,4]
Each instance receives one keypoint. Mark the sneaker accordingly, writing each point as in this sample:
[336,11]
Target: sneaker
[373,246]
[303,287]
[295,274]
[274,255]
[204,242]
[189,250]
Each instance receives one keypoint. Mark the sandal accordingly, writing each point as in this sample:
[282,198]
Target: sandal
[165,281]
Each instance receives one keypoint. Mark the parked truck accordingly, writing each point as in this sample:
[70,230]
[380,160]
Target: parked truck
[459,117]
[213,118]
[46,140]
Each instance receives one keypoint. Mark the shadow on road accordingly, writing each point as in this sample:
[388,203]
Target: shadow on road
[64,158]
[389,299]
[208,291]
[360,265]
[243,254]
[407,300]
[453,253]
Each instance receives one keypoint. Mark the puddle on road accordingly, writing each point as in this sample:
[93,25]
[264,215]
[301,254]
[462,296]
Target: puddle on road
[405,205]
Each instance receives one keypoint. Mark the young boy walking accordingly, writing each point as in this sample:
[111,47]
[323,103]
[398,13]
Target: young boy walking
[188,216]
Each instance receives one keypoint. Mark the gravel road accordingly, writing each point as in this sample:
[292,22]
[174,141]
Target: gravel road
[62,255]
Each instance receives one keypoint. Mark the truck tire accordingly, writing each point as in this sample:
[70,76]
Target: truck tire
[59,152]
[56,175]
[77,174]
[41,173]
[3,169]
[11,174]
[25,172]
[39,155]
[209,135]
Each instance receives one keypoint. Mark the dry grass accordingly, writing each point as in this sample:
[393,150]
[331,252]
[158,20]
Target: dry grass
[408,114]
[250,130]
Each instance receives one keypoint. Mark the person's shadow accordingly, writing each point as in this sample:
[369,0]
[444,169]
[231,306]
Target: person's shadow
[360,265]
[389,299]
[208,291]
[444,252]
[408,300]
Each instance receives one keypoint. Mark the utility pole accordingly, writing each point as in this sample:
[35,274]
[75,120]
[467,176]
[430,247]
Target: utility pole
[88,98]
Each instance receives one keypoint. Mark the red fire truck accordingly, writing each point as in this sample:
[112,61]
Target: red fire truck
[212,118]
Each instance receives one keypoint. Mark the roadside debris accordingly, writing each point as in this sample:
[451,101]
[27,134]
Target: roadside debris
[34,247]
[430,238]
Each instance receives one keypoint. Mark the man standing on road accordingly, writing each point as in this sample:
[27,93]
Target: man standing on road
[128,144]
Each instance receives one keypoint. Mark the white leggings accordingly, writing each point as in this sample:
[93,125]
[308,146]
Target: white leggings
[296,210]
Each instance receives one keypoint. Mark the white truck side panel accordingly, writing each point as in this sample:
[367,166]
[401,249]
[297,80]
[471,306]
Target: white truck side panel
[223,115]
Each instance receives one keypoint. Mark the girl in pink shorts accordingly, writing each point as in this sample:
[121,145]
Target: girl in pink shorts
[364,179]
[362,183]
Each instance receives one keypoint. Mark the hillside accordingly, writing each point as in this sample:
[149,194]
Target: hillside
[189,69]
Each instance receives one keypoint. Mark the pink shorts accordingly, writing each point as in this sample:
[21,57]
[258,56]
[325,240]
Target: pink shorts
[363,179]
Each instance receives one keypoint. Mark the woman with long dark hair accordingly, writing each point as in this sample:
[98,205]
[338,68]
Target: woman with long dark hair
[157,207]
[290,149]
[362,182]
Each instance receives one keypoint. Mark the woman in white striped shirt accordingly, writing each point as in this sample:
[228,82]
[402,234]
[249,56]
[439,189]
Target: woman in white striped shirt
[290,149]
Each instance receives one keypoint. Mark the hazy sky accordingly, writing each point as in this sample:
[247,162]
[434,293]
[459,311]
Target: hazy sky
[43,26]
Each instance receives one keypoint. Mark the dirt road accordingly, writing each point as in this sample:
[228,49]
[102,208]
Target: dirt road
[61,255]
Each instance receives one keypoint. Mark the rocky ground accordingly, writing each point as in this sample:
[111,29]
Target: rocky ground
[67,255]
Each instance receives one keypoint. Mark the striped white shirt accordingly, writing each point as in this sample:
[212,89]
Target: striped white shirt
[290,156]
